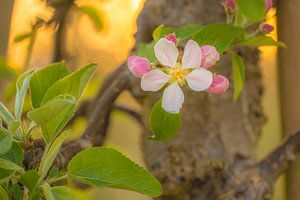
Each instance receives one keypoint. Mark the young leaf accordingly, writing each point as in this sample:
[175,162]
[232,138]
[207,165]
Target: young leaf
[22,84]
[238,69]
[58,193]
[5,141]
[5,115]
[52,153]
[253,10]
[164,125]
[72,84]
[43,79]
[15,154]
[3,194]
[161,31]
[94,15]
[54,115]
[263,41]
[106,167]
[219,35]
[30,179]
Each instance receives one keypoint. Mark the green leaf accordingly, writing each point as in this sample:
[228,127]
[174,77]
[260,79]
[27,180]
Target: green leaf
[58,193]
[16,192]
[3,194]
[8,165]
[21,37]
[263,41]
[30,179]
[238,69]
[162,31]
[163,125]
[94,15]
[52,153]
[5,115]
[22,84]
[182,33]
[54,115]
[5,175]
[146,50]
[72,84]
[253,10]
[43,79]
[15,154]
[5,141]
[219,35]
[106,167]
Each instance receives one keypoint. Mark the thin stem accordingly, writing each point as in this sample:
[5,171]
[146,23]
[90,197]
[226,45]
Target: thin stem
[57,179]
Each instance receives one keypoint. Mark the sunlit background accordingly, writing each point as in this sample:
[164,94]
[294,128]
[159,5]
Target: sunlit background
[110,47]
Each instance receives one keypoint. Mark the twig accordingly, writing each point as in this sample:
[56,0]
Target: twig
[134,114]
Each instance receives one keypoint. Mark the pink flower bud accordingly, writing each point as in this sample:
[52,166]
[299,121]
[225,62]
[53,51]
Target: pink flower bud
[230,4]
[172,37]
[266,28]
[269,4]
[210,56]
[138,65]
[219,85]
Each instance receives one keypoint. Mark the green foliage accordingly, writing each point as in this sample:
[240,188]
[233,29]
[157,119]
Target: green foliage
[94,15]
[51,153]
[105,167]
[22,85]
[253,10]
[58,193]
[43,79]
[3,194]
[238,71]
[30,179]
[222,36]
[54,115]
[181,33]
[5,141]
[263,41]
[5,115]
[72,84]
[163,125]
[14,154]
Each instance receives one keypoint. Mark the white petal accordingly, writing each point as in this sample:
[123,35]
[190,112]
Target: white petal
[173,98]
[199,79]
[166,52]
[154,80]
[192,55]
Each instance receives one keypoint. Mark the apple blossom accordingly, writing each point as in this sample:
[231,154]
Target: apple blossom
[219,85]
[269,4]
[138,65]
[209,56]
[175,71]
[266,28]
[230,4]
[172,37]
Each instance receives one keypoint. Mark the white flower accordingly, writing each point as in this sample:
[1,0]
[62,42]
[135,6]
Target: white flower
[176,74]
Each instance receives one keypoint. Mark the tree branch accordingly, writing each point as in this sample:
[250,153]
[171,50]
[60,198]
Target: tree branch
[280,159]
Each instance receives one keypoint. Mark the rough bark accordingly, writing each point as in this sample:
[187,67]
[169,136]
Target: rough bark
[216,131]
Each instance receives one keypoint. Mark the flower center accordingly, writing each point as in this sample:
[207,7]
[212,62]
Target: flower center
[178,73]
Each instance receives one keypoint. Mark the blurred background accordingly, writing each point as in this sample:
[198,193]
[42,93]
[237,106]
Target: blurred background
[103,32]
